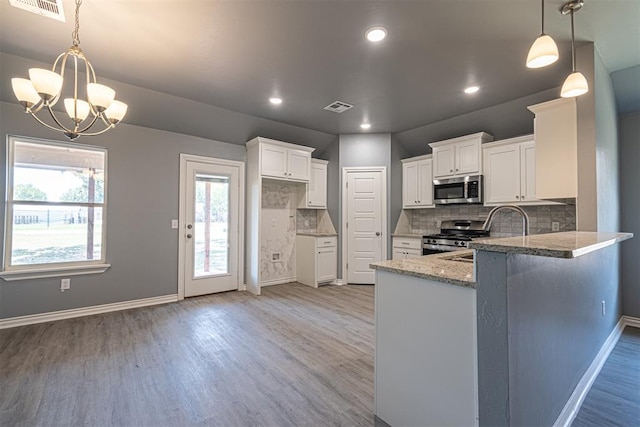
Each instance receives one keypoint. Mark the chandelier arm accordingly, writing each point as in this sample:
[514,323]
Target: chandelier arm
[38,107]
[55,119]
[93,121]
[46,124]
[100,132]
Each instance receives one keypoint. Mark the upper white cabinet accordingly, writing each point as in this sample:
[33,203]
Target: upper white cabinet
[459,156]
[315,194]
[556,137]
[281,160]
[509,171]
[417,182]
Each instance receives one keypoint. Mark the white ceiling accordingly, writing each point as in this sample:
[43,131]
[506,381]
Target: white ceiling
[236,54]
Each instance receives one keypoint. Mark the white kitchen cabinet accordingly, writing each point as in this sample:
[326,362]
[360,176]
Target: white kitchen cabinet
[407,247]
[556,155]
[268,159]
[510,172]
[316,259]
[314,195]
[460,156]
[417,182]
[281,160]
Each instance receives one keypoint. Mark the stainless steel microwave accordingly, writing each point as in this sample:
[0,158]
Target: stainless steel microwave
[459,190]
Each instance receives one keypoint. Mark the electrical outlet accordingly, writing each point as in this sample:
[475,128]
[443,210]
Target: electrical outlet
[603,308]
[555,226]
[174,223]
[65,284]
[306,222]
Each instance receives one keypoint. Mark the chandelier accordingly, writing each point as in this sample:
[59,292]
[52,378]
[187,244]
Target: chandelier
[43,89]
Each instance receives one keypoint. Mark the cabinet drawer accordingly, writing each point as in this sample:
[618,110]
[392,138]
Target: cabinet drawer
[327,242]
[407,243]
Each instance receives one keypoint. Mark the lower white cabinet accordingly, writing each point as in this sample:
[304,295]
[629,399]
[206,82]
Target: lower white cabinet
[316,259]
[407,247]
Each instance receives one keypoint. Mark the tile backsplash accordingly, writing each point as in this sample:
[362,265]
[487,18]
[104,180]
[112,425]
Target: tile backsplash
[505,224]
[306,220]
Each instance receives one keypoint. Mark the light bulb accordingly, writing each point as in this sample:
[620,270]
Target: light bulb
[25,92]
[116,111]
[575,85]
[543,52]
[78,110]
[100,96]
[47,83]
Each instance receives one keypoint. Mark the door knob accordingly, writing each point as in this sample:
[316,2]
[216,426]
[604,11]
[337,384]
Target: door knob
[189,236]
[189,226]
[377,233]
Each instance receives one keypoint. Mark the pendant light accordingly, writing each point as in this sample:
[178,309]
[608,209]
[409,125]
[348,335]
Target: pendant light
[575,84]
[43,89]
[544,50]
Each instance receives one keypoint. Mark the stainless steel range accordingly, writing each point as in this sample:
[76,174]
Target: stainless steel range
[454,236]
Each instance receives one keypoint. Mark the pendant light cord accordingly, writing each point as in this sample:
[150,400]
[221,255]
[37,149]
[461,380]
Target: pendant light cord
[542,17]
[75,35]
[573,46]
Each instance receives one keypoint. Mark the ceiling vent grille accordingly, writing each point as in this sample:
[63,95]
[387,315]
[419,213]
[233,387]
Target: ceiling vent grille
[338,107]
[50,8]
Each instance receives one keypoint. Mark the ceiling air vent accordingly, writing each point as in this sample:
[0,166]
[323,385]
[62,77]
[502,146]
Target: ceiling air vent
[49,8]
[338,107]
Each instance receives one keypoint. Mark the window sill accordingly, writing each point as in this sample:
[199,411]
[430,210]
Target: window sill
[41,273]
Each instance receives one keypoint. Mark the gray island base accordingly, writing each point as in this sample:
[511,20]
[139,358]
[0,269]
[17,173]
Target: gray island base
[505,346]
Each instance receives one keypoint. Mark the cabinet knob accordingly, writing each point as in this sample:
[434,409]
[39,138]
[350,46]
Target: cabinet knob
[450,170]
[457,170]
[522,197]
[517,197]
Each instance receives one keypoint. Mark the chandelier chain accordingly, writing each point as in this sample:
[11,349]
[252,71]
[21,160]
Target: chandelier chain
[75,35]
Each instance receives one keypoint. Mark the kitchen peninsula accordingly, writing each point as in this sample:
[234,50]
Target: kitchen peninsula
[502,339]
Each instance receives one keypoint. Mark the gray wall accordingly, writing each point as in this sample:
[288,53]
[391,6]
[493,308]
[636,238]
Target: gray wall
[187,117]
[630,211]
[362,150]
[540,329]
[502,121]
[606,150]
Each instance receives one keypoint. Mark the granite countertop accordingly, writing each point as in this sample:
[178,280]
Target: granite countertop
[316,234]
[410,235]
[569,244]
[437,267]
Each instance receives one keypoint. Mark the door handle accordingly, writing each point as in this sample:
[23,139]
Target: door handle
[377,233]
[189,226]
[189,236]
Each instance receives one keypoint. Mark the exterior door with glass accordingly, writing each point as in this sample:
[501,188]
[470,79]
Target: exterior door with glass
[211,233]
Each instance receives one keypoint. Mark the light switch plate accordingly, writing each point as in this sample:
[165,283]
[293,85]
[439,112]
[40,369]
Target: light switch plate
[65,284]
[174,223]
[555,226]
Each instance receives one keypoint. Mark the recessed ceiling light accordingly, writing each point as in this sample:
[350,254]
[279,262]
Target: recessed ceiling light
[472,89]
[365,126]
[376,34]
[275,101]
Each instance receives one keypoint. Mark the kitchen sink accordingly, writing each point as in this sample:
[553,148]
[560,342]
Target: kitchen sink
[462,258]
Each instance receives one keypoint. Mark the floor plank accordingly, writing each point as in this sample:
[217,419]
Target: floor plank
[294,356]
[614,398]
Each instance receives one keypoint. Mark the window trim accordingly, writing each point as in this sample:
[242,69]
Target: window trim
[23,272]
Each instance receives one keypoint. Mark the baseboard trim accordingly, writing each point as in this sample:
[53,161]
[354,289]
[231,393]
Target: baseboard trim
[31,319]
[631,321]
[571,408]
[277,281]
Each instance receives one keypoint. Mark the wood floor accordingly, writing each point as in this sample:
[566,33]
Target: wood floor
[614,398]
[295,356]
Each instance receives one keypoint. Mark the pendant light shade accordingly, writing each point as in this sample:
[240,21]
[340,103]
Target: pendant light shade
[543,52]
[575,85]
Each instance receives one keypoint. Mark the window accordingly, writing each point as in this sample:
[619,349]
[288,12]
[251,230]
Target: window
[56,205]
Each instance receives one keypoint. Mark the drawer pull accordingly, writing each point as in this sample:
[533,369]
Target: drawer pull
[405,243]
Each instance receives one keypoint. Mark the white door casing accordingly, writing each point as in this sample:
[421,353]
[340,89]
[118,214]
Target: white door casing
[192,281]
[364,222]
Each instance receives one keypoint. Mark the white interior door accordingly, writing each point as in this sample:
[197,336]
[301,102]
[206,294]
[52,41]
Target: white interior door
[365,224]
[211,228]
